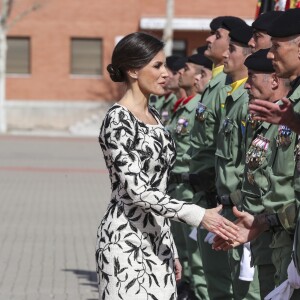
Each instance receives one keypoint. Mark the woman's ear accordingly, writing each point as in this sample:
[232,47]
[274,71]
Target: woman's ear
[133,73]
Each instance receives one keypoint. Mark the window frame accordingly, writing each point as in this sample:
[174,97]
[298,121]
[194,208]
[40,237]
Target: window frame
[74,75]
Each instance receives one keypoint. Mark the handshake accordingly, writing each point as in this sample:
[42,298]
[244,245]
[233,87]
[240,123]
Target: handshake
[225,235]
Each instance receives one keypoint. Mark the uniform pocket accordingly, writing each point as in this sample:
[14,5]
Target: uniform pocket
[225,139]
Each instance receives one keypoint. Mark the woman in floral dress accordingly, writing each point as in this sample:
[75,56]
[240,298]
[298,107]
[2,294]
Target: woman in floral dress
[135,254]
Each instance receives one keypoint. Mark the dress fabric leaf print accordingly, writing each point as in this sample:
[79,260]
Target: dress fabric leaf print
[135,250]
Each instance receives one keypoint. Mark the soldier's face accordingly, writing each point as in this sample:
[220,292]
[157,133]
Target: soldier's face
[259,85]
[285,55]
[202,79]
[259,40]
[234,59]
[217,43]
[187,77]
[172,80]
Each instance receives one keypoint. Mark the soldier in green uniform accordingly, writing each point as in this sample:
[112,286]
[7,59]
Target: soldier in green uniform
[202,79]
[164,104]
[180,125]
[276,149]
[201,157]
[264,84]
[260,38]
[229,163]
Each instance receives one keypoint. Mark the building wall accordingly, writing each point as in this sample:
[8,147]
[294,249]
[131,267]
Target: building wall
[56,22]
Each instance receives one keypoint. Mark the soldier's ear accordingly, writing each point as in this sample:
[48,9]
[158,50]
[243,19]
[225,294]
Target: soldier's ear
[133,73]
[274,81]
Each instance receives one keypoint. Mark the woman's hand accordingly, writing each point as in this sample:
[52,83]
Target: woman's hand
[214,222]
[178,269]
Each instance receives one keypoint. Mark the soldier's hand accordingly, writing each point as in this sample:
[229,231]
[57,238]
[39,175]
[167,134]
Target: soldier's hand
[266,111]
[214,222]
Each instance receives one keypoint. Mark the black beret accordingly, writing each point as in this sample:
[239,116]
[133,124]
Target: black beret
[241,34]
[264,21]
[200,59]
[216,23]
[179,63]
[287,24]
[258,61]
[170,60]
[230,22]
[201,49]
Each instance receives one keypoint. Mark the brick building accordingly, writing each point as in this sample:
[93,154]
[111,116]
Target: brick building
[60,52]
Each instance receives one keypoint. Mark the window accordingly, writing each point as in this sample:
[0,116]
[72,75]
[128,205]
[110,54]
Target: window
[86,56]
[179,47]
[18,55]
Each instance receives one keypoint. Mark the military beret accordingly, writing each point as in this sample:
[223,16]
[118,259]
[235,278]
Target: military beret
[216,23]
[287,24]
[200,59]
[179,63]
[201,49]
[170,60]
[264,21]
[230,22]
[241,34]
[258,61]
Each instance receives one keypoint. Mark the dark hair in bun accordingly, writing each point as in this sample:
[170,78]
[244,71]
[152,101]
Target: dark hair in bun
[115,73]
[134,51]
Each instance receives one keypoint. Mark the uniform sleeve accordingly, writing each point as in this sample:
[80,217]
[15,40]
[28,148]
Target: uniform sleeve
[118,138]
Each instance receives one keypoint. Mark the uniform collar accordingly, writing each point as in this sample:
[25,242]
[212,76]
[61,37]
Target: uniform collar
[235,85]
[237,93]
[217,70]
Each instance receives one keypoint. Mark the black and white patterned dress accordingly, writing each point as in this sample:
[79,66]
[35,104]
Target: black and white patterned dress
[135,250]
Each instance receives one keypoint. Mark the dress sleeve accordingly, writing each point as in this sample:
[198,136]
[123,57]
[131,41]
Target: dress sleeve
[118,139]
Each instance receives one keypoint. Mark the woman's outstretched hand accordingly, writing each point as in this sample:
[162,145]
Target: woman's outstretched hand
[214,222]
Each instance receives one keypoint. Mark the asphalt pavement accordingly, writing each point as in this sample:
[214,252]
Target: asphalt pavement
[53,193]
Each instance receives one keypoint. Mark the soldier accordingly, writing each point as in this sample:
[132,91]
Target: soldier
[281,199]
[202,79]
[260,38]
[164,104]
[180,126]
[201,157]
[264,84]
[229,163]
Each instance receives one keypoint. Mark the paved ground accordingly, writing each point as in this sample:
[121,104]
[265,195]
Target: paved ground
[53,192]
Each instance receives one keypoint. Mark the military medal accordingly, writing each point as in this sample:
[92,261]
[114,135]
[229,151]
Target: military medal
[284,136]
[256,155]
[252,122]
[226,128]
[200,112]
[181,126]
[164,117]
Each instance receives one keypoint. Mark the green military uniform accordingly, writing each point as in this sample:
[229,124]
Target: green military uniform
[251,194]
[229,170]
[180,126]
[272,172]
[201,157]
[164,105]
[156,101]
